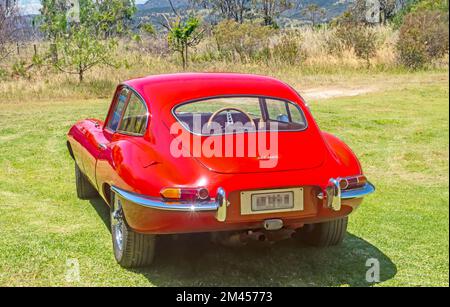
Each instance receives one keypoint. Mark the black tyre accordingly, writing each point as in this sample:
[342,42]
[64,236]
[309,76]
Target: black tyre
[324,234]
[85,190]
[131,249]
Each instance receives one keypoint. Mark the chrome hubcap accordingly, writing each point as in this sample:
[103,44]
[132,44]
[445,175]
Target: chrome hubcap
[117,223]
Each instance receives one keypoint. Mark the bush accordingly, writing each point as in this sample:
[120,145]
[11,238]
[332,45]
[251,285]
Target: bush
[288,49]
[416,6]
[360,38]
[247,41]
[423,38]
[3,74]
[19,69]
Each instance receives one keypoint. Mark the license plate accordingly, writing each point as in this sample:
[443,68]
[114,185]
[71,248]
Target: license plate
[271,201]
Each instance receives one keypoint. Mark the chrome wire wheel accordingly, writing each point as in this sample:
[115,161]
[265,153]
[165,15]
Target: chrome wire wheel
[117,223]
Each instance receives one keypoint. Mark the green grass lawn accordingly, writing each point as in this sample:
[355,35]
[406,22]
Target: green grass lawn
[401,136]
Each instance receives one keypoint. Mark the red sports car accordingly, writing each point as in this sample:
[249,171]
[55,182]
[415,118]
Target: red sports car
[238,156]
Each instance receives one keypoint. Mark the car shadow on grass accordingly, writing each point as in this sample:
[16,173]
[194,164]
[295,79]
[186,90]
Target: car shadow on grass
[192,260]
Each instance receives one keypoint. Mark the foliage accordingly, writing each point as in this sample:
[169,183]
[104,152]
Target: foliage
[419,5]
[245,40]
[109,18]
[288,50]
[114,17]
[228,9]
[52,19]
[365,43]
[148,28]
[79,44]
[10,24]
[314,13]
[19,69]
[184,35]
[3,73]
[270,9]
[80,53]
[349,35]
[424,36]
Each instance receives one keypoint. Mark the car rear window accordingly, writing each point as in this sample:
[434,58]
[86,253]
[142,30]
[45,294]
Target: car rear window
[220,115]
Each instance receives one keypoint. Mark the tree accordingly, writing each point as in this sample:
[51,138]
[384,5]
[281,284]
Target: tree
[115,16]
[80,52]
[10,25]
[227,9]
[106,18]
[271,9]
[184,35]
[79,40]
[52,18]
[314,13]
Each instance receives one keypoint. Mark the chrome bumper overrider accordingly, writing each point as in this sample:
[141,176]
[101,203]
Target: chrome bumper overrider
[340,195]
[218,205]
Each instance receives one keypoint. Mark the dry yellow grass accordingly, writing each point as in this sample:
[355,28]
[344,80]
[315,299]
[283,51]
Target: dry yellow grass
[321,69]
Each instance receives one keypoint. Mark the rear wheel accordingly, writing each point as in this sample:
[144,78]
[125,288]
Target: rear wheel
[85,190]
[131,249]
[324,234]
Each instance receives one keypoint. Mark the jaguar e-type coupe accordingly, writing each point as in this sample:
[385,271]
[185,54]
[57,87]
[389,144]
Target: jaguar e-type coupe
[237,156]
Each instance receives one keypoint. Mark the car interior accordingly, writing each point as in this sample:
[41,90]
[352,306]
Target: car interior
[207,117]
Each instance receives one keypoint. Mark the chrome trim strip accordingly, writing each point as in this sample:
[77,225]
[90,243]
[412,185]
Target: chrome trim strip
[367,189]
[157,203]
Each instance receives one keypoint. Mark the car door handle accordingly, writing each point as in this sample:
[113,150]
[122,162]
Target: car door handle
[102,146]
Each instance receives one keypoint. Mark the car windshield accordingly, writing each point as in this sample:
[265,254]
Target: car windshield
[240,114]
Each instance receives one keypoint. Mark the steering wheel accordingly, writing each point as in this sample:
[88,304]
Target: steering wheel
[230,120]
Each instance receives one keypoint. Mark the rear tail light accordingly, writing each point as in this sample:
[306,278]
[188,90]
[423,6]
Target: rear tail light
[350,183]
[185,194]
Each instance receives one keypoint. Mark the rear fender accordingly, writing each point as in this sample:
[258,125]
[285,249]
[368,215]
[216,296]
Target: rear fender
[343,155]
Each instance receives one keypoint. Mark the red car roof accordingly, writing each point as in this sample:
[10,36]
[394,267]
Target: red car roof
[169,90]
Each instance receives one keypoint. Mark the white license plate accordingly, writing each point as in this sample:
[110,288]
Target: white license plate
[272,201]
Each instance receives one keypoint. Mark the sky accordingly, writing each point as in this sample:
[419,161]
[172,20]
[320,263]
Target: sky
[32,6]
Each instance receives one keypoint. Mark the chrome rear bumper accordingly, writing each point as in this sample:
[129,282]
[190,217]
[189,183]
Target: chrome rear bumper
[367,189]
[218,204]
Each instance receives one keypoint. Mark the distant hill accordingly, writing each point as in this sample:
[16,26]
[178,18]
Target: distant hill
[152,8]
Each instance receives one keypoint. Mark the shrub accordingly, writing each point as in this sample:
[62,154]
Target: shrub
[3,74]
[360,38]
[365,43]
[288,49]
[19,69]
[423,37]
[246,41]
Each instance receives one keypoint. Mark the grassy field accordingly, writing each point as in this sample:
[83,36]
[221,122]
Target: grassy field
[400,131]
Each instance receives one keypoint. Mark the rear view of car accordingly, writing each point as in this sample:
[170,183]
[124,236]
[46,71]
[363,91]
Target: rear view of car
[237,156]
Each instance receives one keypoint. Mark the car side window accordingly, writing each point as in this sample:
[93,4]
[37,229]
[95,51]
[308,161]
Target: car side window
[135,117]
[277,110]
[118,109]
[285,112]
